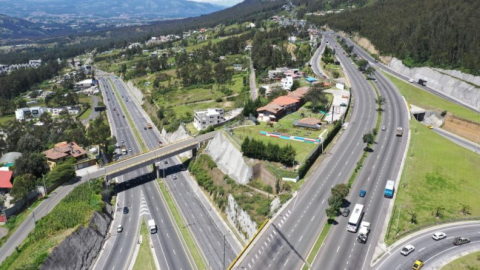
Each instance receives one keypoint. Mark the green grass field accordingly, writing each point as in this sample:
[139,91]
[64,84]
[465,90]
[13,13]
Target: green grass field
[144,258]
[7,118]
[428,101]
[438,174]
[469,262]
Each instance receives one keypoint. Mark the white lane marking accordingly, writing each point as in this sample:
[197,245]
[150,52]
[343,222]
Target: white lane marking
[421,249]
[338,248]
[286,262]
[174,252]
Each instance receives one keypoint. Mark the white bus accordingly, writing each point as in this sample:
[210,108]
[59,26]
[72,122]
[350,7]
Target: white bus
[355,218]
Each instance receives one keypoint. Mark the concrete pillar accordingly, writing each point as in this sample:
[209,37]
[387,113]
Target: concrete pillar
[194,152]
[156,168]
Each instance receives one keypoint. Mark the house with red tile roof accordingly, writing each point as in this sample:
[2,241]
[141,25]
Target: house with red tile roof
[281,106]
[63,150]
[6,180]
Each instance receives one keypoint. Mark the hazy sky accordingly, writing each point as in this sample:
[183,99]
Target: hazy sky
[227,3]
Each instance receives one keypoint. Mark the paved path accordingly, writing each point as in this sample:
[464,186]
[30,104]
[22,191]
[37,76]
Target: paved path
[253,84]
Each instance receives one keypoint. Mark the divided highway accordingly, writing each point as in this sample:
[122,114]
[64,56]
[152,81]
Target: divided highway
[289,237]
[341,249]
[143,200]
[214,238]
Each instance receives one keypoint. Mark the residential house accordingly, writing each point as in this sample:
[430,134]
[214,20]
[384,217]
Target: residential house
[6,180]
[281,106]
[208,117]
[83,84]
[28,113]
[237,67]
[292,39]
[63,150]
[287,82]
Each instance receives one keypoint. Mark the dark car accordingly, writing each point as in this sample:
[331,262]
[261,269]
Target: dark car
[460,241]
[363,193]
[125,210]
[346,212]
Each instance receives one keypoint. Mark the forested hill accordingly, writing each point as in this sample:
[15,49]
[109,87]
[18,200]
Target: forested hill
[441,33]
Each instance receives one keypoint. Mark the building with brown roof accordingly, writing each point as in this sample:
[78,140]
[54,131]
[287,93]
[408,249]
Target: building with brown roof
[64,150]
[282,105]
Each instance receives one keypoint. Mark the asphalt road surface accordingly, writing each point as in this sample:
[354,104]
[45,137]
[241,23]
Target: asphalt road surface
[142,196]
[433,253]
[359,51]
[341,249]
[206,226]
[286,242]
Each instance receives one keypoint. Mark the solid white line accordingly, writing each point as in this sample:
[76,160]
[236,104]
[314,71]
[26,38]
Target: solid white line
[286,262]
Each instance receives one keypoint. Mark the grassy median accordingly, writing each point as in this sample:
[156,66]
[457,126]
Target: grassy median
[429,101]
[469,262]
[318,244]
[439,183]
[183,229]
[144,260]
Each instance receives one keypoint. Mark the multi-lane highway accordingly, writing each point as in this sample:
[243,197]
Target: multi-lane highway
[433,253]
[359,51]
[287,240]
[143,200]
[341,249]
[216,241]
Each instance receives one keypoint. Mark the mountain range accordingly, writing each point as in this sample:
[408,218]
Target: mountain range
[107,8]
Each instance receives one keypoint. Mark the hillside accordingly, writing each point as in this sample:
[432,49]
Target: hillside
[439,33]
[17,28]
[108,9]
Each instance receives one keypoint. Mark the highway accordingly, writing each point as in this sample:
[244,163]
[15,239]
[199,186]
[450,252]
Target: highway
[341,249]
[290,235]
[433,253]
[203,222]
[144,200]
[314,62]
[359,51]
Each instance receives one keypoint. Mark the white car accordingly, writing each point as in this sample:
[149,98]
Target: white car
[119,229]
[439,236]
[407,250]
[411,80]
[174,177]
[384,128]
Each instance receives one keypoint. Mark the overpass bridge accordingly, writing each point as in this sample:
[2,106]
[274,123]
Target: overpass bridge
[126,165]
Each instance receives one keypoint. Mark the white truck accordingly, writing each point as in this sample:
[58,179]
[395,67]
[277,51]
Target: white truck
[363,232]
[399,132]
[152,226]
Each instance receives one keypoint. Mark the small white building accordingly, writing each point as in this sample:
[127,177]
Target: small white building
[83,84]
[28,113]
[292,39]
[208,117]
[287,82]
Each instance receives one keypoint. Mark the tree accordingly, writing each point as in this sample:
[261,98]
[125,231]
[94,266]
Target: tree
[28,144]
[316,97]
[465,209]
[340,190]
[262,91]
[331,212]
[362,65]
[98,131]
[413,217]
[33,163]
[295,85]
[368,138]
[438,211]
[23,185]
[369,71]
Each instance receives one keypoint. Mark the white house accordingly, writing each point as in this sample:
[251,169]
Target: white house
[292,39]
[83,84]
[27,113]
[250,25]
[287,82]
[208,117]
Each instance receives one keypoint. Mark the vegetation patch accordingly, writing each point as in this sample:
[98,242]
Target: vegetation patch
[144,258]
[438,184]
[73,211]
[469,262]
[429,101]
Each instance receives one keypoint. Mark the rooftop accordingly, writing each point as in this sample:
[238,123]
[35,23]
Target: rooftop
[64,149]
[5,179]
[285,100]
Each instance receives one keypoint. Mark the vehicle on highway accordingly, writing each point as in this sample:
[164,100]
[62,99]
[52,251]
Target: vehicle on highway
[125,210]
[122,141]
[363,193]
[399,132]
[439,236]
[460,241]
[355,218]
[384,128]
[124,149]
[119,229]
[160,142]
[411,80]
[417,265]
[124,116]
[152,226]
[129,149]
[363,232]
[430,126]
[165,162]
[346,212]
[406,250]
[127,183]
[174,177]
[389,189]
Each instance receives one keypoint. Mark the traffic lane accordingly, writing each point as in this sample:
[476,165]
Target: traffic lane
[199,220]
[424,241]
[365,177]
[173,247]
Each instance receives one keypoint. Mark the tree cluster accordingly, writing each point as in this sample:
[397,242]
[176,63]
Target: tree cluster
[336,200]
[271,152]
[423,32]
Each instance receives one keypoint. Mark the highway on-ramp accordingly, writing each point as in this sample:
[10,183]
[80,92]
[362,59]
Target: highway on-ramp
[341,249]
[289,237]
[433,253]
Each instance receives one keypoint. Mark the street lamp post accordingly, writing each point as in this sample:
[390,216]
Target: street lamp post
[44,186]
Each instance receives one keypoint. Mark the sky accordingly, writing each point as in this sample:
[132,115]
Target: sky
[226,3]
